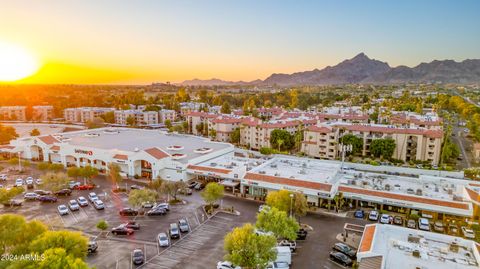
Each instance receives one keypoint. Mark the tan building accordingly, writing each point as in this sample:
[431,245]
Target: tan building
[411,144]
[84,114]
[141,117]
[14,113]
[196,118]
[42,113]
[167,114]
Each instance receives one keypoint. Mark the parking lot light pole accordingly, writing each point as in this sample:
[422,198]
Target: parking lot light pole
[19,163]
[291,204]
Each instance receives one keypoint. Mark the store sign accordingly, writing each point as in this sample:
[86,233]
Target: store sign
[86,152]
[396,203]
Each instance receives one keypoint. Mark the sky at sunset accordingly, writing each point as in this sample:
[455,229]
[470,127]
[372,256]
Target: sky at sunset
[156,41]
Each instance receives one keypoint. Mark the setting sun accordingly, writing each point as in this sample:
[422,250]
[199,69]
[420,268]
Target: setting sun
[15,62]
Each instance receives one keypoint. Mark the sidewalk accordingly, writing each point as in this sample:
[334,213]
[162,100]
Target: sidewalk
[353,240]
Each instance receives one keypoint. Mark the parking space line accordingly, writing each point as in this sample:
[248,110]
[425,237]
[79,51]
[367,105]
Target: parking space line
[216,221]
[224,218]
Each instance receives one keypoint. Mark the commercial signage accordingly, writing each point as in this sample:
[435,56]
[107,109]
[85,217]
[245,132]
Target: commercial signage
[86,152]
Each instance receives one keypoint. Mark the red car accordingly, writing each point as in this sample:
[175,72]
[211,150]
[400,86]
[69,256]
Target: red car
[84,187]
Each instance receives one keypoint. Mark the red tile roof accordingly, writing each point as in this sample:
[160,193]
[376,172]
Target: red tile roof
[120,157]
[389,130]
[404,119]
[403,197]
[474,196]
[6,147]
[227,120]
[157,153]
[367,238]
[55,148]
[319,129]
[209,169]
[288,181]
[48,139]
[474,184]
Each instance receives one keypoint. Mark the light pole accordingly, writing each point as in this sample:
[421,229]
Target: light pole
[19,163]
[291,204]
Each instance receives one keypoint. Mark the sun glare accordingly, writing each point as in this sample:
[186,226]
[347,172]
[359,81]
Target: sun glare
[15,62]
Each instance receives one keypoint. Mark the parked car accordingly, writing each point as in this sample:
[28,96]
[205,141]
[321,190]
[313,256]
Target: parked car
[42,192]
[385,219]
[92,197]
[127,211]
[183,226]
[438,226]
[18,182]
[47,199]
[452,229]
[12,203]
[62,209]
[30,196]
[98,204]
[265,208]
[163,240]
[137,256]
[423,224]
[73,184]
[136,187]
[185,191]
[360,214]
[38,181]
[373,215]
[287,243]
[83,187]
[82,201]
[92,246]
[73,205]
[302,234]
[174,231]
[156,212]
[412,224]
[199,186]
[132,225]
[147,205]
[278,265]
[29,182]
[192,184]
[3,177]
[227,265]
[122,230]
[340,258]
[63,192]
[397,220]
[343,248]
[165,206]
[468,233]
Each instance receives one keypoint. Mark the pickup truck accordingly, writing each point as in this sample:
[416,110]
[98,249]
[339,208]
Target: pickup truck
[287,243]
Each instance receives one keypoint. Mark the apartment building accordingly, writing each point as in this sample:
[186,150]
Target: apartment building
[42,113]
[196,118]
[414,120]
[224,126]
[411,143]
[187,107]
[141,117]
[85,114]
[14,113]
[167,114]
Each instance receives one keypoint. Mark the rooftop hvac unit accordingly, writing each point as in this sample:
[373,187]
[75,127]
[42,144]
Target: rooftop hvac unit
[262,172]
[213,164]
[136,149]
[273,165]
[302,172]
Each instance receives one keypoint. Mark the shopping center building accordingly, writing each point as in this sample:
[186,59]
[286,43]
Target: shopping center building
[151,153]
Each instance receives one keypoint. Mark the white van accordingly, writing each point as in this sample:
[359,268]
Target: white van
[423,224]
[284,254]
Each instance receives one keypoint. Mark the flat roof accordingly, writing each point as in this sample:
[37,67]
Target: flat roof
[24,129]
[408,248]
[129,140]
[229,162]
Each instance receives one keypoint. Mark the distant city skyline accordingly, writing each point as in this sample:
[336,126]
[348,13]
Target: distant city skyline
[140,42]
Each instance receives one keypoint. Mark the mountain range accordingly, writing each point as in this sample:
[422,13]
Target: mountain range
[363,70]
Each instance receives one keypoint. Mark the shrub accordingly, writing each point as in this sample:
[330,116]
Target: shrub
[102,225]
[266,151]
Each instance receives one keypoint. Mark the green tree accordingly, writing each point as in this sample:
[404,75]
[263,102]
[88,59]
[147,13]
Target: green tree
[225,109]
[172,188]
[356,142]
[168,124]
[339,201]
[131,121]
[212,193]
[7,133]
[382,147]
[138,197]
[74,243]
[35,132]
[282,201]
[7,194]
[235,136]
[55,181]
[95,123]
[109,117]
[43,166]
[56,167]
[281,139]
[102,225]
[277,222]
[74,172]
[156,185]
[114,173]
[293,99]
[88,172]
[248,250]
[16,233]
[58,258]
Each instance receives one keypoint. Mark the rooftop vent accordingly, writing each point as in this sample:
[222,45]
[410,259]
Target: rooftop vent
[262,172]
[136,150]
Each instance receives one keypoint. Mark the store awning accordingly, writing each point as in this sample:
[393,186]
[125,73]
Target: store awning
[229,183]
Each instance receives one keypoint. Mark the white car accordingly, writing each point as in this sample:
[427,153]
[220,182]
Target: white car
[92,197]
[373,215]
[468,233]
[98,204]
[73,205]
[385,219]
[18,182]
[227,265]
[31,196]
[82,201]
[423,224]
[38,181]
[29,181]
[262,232]
[62,209]
[3,177]
[265,208]
[278,265]
[163,240]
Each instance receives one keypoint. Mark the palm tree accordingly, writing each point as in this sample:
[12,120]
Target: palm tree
[280,143]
